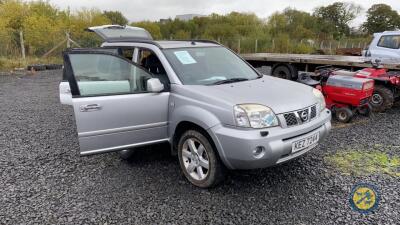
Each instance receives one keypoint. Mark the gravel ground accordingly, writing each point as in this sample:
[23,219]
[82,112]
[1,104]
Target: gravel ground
[44,181]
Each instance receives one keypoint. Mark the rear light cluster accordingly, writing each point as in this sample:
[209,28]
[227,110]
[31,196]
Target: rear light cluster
[368,85]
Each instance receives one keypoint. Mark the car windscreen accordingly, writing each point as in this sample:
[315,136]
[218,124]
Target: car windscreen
[208,65]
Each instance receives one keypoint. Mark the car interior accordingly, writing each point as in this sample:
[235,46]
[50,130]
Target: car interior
[149,61]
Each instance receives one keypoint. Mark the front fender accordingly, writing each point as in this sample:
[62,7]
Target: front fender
[201,117]
[193,114]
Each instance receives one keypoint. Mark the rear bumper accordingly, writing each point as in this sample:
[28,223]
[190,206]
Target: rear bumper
[235,146]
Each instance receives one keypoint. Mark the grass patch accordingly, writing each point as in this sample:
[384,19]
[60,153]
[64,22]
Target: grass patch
[365,162]
[8,64]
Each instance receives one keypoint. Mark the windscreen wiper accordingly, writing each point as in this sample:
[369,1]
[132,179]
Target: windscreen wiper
[230,80]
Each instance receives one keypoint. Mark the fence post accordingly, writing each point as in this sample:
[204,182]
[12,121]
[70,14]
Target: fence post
[239,46]
[256,46]
[287,46]
[21,38]
[330,47]
[219,39]
[273,45]
[68,40]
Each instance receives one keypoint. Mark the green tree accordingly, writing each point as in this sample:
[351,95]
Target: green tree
[381,17]
[151,27]
[116,17]
[83,19]
[335,18]
[297,24]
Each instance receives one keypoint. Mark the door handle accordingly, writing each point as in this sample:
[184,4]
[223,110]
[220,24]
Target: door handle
[90,107]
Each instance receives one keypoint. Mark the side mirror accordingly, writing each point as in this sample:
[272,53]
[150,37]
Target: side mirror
[65,93]
[154,85]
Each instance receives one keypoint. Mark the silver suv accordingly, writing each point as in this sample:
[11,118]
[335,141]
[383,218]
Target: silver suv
[216,111]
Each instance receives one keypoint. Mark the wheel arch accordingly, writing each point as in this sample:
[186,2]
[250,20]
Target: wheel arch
[183,126]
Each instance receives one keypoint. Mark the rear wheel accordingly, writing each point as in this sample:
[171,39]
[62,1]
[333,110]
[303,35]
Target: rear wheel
[343,114]
[199,160]
[382,98]
[283,72]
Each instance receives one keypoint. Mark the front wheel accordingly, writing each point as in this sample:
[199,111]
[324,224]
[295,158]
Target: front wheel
[343,114]
[382,98]
[199,160]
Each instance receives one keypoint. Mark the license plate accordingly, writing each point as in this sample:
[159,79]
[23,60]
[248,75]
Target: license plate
[305,142]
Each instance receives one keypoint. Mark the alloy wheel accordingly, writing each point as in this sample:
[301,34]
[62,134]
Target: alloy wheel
[195,159]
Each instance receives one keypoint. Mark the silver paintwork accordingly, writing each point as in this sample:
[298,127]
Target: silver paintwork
[388,55]
[124,121]
[154,85]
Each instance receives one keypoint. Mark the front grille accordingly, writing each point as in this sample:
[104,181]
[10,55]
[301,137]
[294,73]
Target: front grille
[300,116]
[313,113]
[291,119]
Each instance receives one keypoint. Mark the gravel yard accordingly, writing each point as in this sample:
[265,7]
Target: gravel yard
[44,181]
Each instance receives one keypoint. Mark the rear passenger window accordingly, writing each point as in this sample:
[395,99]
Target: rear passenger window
[390,41]
[101,74]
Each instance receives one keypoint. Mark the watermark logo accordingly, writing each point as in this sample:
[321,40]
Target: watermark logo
[364,198]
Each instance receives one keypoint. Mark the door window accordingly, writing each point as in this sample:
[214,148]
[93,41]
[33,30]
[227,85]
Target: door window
[103,74]
[390,41]
[150,61]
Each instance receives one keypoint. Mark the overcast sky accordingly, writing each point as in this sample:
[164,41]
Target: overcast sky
[136,10]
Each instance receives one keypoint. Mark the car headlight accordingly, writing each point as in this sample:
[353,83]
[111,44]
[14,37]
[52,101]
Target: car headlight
[320,99]
[254,116]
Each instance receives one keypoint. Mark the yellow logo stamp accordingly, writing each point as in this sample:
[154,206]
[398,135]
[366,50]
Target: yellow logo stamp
[364,198]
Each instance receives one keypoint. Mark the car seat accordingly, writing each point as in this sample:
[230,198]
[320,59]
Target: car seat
[154,66]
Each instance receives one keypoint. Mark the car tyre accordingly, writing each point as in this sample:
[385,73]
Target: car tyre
[126,154]
[283,72]
[343,114]
[365,110]
[199,160]
[382,99]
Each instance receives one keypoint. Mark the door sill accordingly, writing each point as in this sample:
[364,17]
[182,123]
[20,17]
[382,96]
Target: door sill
[117,148]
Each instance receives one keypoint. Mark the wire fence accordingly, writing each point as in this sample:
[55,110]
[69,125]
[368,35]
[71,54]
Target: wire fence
[20,45]
[304,46]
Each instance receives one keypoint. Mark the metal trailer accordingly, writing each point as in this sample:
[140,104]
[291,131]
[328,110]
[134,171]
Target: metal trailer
[287,65]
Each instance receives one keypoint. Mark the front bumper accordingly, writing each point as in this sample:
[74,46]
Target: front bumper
[235,146]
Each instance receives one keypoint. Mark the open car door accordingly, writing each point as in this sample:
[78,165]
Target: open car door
[111,33]
[112,105]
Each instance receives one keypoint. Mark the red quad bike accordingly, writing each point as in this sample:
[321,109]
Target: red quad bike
[387,85]
[344,95]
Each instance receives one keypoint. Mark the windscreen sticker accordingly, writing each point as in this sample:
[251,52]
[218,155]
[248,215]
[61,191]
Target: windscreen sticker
[184,57]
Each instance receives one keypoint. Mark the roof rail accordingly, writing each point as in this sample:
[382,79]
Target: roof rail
[140,40]
[152,42]
[197,40]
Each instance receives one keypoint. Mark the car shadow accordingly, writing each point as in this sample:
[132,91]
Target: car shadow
[152,157]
